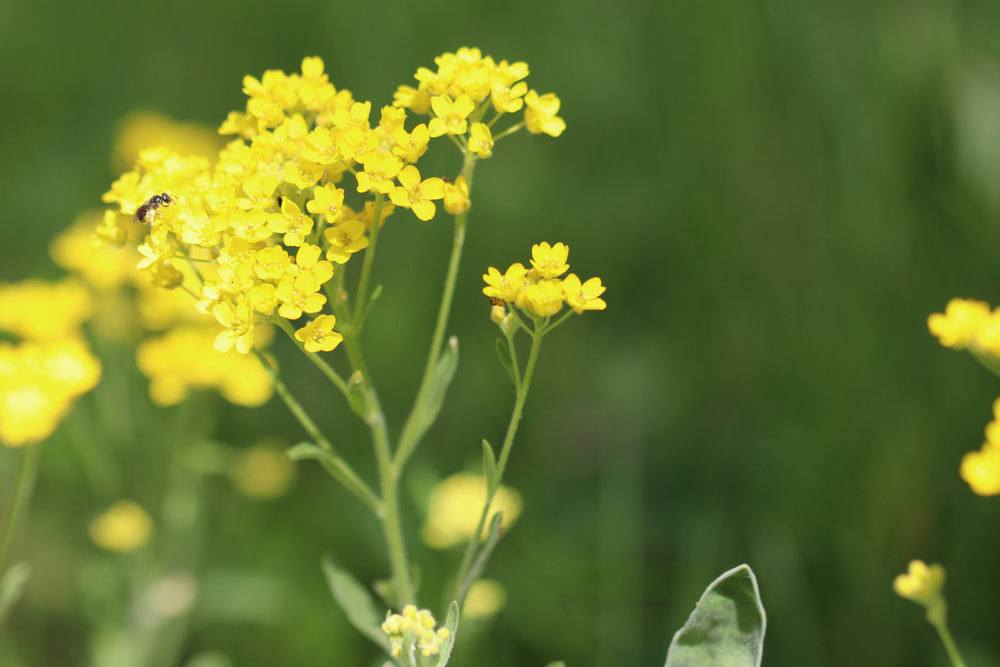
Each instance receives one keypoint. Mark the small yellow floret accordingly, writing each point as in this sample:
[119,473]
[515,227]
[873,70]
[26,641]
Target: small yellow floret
[124,527]
[921,583]
[958,325]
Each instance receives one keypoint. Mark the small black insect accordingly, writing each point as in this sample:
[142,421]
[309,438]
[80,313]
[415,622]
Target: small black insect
[147,211]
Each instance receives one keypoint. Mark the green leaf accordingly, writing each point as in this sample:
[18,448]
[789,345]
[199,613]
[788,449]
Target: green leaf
[452,624]
[356,602]
[479,564]
[489,466]
[427,411]
[503,354]
[12,586]
[726,628]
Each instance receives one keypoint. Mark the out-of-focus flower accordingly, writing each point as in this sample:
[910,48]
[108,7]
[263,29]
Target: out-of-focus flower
[921,583]
[262,472]
[184,359]
[140,130]
[484,599]
[123,527]
[37,310]
[455,506]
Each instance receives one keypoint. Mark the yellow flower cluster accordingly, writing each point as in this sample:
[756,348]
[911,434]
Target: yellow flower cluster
[972,325]
[266,223]
[123,527]
[414,627]
[465,86]
[455,505]
[541,291]
[183,359]
[921,583]
[41,376]
[981,469]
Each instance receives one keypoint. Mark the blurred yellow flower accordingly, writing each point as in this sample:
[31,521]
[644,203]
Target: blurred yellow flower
[484,599]
[123,527]
[140,130]
[263,472]
[103,266]
[958,325]
[455,505]
[981,469]
[184,359]
[921,583]
[37,310]
[38,384]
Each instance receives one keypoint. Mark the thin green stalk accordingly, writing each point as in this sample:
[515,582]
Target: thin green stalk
[508,444]
[941,625]
[366,269]
[338,466]
[317,360]
[24,481]
[408,439]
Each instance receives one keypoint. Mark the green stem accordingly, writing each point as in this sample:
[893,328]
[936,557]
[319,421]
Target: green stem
[508,444]
[950,647]
[338,466]
[366,269]
[24,481]
[409,438]
[317,360]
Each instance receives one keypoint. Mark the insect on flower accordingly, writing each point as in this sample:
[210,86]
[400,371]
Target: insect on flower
[147,211]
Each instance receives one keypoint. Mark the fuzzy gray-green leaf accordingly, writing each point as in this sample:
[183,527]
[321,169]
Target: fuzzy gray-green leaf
[452,624]
[489,466]
[726,628]
[12,588]
[356,602]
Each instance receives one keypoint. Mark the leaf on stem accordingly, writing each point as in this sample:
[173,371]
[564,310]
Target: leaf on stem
[451,623]
[503,354]
[356,602]
[489,467]
[12,586]
[726,628]
[479,564]
[427,411]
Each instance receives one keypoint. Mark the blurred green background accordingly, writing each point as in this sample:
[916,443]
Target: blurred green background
[776,193]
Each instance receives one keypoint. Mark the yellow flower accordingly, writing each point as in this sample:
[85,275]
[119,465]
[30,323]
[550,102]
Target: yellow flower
[411,146]
[184,359]
[455,505]
[543,299]
[540,114]
[38,384]
[294,223]
[508,99]
[456,196]
[549,261]
[981,470]
[379,170]
[37,310]
[101,265]
[239,324]
[145,129]
[262,472]
[417,195]
[961,321]
[318,335]
[450,115]
[328,200]
[417,100]
[505,286]
[921,583]
[484,599]
[481,140]
[124,527]
[585,296]
[415,627]
[344,239]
